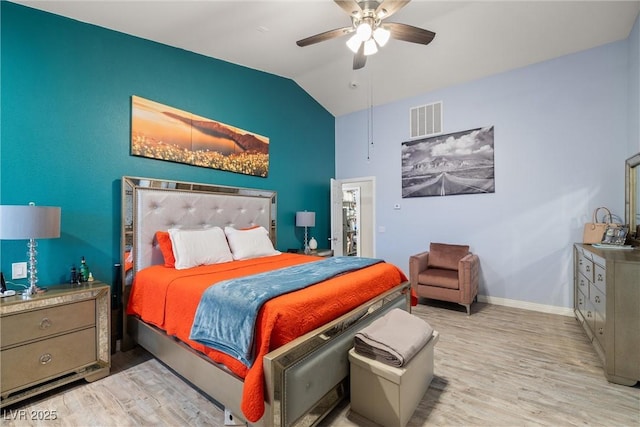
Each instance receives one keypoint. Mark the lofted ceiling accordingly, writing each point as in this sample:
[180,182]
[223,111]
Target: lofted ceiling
[473,39]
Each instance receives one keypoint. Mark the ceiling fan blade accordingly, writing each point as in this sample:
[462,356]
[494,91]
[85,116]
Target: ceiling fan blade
[351,7]
[359,59]
[390,7]
[409,33]
[327,35]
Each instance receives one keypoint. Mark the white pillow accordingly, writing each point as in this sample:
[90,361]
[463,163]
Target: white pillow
[199,247]
[250,243]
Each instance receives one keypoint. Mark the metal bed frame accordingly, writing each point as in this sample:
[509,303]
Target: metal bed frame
[304,379]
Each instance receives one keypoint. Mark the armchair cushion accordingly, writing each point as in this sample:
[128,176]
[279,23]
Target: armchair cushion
[439,277]
[446,256]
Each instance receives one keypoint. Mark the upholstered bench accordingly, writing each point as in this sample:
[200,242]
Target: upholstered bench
[388,395]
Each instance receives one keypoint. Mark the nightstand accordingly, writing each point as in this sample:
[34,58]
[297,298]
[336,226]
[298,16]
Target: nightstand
[53,338]
[322,252]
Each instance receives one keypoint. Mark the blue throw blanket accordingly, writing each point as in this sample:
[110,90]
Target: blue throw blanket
[225,318]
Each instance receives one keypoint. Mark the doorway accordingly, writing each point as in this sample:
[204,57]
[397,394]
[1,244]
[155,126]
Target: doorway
[353,217]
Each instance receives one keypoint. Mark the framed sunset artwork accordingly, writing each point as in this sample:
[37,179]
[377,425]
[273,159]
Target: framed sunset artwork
[166,133]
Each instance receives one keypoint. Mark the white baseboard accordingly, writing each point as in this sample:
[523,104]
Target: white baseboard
[551,309]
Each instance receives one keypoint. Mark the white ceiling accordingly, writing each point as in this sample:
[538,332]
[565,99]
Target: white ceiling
[473,39]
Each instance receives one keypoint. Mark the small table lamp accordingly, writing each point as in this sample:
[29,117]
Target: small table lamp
[30,222]
[306,219]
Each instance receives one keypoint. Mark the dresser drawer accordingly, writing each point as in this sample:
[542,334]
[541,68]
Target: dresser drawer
[583,284]
[30,325]
[585,266]
[598,299]
[581,303]
[600,278]
[27,364]
[599,329]
[590,315]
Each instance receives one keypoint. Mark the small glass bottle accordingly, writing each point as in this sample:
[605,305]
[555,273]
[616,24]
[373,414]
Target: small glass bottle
[84,270]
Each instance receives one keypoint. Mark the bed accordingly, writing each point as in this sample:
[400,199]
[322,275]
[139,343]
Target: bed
[298,377]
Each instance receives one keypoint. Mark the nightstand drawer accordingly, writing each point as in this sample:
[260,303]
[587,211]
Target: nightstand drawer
[36,324]
[21,366]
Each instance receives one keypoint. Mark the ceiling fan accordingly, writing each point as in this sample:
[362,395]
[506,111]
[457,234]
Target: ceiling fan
[368,29]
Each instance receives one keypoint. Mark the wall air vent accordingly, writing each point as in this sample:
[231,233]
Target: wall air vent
[425,120]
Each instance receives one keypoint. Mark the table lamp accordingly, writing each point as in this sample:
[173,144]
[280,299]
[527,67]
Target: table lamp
[306,219]
[30,222]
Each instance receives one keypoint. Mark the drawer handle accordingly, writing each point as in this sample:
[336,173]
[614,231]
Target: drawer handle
[588,268]
[601,331]
[600,277]
[579,301]
[580,261]
[597,298]
[45,323]
[45,358]
[588,313]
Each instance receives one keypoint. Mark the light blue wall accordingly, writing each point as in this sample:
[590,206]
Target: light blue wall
[66,89]
[561,138]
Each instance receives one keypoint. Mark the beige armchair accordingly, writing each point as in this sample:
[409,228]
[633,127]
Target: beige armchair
[447,273]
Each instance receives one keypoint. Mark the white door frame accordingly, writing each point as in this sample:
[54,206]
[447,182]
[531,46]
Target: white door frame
[367,212]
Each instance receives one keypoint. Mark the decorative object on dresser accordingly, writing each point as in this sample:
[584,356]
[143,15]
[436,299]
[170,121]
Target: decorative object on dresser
[607,304]
[30,222]
[446,272]
[306,219]
[52,339]
[594,231]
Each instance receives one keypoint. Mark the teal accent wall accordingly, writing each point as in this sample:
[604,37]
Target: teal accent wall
[66,92]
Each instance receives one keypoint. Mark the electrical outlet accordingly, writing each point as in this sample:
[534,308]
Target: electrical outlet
[19,270]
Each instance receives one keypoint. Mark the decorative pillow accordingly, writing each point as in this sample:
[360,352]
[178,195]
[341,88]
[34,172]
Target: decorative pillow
[164,241]
[446,256]
[251,243]
[199,247]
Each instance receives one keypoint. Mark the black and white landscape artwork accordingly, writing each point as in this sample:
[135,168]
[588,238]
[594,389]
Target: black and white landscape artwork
[443,165]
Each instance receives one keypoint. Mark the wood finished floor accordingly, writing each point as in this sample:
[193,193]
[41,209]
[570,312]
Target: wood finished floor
[500,366]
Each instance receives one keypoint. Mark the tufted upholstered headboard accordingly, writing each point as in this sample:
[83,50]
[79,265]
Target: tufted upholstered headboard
[151,205]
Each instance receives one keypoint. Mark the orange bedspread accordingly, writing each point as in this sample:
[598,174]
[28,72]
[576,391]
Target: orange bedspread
[168,298]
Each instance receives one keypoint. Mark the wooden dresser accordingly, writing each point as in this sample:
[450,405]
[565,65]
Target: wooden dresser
[607,304]
[53,338]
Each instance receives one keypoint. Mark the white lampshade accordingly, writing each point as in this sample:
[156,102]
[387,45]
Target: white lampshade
[370,47]
[364,31]
[305,219]
[381,36]
[354,43]
[29,222]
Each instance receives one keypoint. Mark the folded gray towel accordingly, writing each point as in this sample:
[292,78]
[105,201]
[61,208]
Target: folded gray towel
[393,338]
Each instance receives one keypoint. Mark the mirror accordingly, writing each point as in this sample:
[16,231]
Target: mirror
[632,198]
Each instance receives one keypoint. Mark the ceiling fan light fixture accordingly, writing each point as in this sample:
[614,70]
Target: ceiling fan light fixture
[370,47]
[354,43]
[381,36]
[364,31]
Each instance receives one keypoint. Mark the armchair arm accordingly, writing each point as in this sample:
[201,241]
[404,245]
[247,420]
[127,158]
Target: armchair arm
[468,272]
[417,264]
